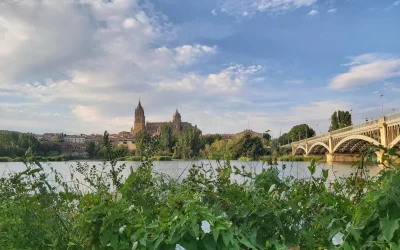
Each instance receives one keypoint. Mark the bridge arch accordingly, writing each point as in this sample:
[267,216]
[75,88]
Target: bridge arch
[394,142]
[318,144]
[298,149]
[354,141]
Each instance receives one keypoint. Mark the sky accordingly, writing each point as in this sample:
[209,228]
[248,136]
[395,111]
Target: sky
[80,66]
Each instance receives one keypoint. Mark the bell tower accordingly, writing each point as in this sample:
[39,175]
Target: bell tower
[177,122]
[139,120]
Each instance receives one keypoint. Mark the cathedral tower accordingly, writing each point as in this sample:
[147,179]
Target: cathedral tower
[140,123]
[176,121]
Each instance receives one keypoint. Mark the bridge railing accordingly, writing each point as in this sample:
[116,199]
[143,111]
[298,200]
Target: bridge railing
[389,117]
[393,116]
[355,127]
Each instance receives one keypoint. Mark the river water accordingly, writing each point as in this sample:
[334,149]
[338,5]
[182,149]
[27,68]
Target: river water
[179,169]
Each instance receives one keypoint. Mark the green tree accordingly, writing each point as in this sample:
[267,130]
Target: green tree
[188,144]
[300,132]
[166,138]
[142,143]
[340,119]
[210,139]
[91,148]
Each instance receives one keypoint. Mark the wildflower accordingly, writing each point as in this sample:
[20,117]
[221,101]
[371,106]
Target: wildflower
[121,229]
[205,226]
[179,247]
[225,215]
[337,239]
[131,207]
[272,188]
[283,194]
[134,246]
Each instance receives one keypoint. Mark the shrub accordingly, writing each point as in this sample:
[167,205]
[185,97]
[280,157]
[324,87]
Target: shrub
[5,159]
[161,158]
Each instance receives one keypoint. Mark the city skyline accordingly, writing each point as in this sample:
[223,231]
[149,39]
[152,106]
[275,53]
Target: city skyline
[229,65]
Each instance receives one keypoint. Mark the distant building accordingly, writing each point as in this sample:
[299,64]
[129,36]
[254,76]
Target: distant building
[73,149]
[75,139]
[153,128]
[124,134]
[250,132]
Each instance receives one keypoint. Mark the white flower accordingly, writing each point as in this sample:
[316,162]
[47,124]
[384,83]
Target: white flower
[131,207]
[283,194]
[272,188]
[225,215]
[205,226]
[134,246]
[179,247]
[121,229]
[299,204]
[337,239]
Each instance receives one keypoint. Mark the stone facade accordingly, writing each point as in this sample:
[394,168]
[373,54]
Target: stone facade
[153,128]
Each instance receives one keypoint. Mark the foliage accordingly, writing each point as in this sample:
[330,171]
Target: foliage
[188,143]
[15,144]
[91,148]
[166,138]
[96,209]
[245,146]
[301,158]
[210,139]
[340,119]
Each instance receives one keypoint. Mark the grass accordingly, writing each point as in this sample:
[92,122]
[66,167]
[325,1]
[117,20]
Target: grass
[301,158]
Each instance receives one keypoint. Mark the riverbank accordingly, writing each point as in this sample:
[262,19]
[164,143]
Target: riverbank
[301,158]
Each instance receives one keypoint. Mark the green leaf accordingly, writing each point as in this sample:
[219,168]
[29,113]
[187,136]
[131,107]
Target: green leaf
[246,242]
[325,173]
[215,234]
[227,237]
[209,243]
[388,228]
[159,239]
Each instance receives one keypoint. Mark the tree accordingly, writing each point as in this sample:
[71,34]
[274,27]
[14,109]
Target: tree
[340,119]
[166,138]
[188,144]
[91,148]
[142,142]
[300,132]
[210,139]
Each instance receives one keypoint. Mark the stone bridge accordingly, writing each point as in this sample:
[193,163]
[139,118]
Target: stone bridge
[344,144]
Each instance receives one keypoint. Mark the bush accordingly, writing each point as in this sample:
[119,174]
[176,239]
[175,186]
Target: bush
[18,159]
[301,158]
[5,159]
[244,158]
[205,210]
[130,158]
[161,158]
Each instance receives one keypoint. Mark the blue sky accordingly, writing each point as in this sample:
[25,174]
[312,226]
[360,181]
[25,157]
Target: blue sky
[227,65]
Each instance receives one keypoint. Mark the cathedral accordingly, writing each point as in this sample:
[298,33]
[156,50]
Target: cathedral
[153,128]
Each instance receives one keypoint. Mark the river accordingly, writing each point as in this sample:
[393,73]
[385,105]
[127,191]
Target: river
[179,169]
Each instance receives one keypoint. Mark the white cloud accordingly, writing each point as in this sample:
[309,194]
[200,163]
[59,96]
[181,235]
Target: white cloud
[333,10]
[397,3]
[231,78]
[249,7]
[366,69]
[86,113]
[214,12]
[313,13]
